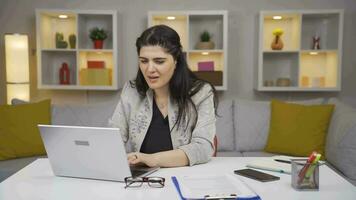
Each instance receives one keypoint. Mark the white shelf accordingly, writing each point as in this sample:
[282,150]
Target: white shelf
[189,25]
[307,69]
[79,23]
[64,50]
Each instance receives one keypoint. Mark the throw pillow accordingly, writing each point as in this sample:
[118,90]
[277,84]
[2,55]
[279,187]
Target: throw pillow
[298,130]
[19,135]
[252,120]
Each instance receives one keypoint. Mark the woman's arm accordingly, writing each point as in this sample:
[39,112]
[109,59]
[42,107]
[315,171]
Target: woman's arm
[119,118]
[172,158]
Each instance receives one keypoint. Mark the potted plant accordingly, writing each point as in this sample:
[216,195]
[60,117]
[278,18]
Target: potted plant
[98,35]
[205,41]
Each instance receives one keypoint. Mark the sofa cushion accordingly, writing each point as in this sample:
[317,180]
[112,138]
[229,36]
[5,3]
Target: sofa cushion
[251,122]
[225,126]
[251,119]
[341,139]
[96,115]
[298,130]
[19,135]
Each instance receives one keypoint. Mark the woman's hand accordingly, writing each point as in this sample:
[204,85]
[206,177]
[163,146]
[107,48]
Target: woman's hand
[135,158]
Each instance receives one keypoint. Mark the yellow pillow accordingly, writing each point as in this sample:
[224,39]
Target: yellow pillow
[19,135]
[298,130]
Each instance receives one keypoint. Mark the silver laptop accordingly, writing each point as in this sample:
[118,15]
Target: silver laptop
[88,152]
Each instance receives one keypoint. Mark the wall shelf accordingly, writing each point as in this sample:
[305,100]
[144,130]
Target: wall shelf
[77,22]
[306,68]
[189,25]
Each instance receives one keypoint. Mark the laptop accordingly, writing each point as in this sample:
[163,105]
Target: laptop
[88,152]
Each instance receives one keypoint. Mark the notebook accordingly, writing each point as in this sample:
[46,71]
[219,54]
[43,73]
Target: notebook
[225,186]
[269,164]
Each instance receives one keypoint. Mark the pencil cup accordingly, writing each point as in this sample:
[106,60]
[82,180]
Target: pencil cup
[305,176]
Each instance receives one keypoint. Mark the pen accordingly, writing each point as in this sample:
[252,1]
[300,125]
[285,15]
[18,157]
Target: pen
[283,161]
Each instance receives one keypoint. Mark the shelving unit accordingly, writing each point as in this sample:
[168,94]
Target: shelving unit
[189,25]
[304,67]
[50,57]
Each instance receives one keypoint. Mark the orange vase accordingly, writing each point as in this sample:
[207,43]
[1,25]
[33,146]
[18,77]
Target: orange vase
[277,43]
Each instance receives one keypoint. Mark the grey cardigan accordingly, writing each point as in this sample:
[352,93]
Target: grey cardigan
[133,115]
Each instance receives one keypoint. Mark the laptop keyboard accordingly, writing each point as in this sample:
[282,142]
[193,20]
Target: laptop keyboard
[138,172]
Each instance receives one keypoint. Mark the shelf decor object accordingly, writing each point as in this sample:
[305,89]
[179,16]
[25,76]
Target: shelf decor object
[66,36]
[277,43]
[203,35]
[309,58]
[98,35]
[17,67]
[205,41]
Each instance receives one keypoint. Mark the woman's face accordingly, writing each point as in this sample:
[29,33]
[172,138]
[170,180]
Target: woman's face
[157,66]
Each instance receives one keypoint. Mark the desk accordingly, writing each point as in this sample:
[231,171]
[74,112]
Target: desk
[37,182]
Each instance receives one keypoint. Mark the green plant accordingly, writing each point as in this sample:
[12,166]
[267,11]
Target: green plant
[98,34]
[205,36]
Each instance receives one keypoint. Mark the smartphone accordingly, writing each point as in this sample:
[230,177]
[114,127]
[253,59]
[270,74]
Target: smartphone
[257,175]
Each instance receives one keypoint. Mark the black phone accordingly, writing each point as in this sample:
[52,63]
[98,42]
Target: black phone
[257,175]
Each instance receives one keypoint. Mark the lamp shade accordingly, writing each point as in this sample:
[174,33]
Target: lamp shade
[17,58]
[17,67]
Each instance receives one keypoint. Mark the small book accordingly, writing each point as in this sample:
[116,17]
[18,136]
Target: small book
[213,187]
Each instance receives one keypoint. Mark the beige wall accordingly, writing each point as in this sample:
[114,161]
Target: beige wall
[19,16]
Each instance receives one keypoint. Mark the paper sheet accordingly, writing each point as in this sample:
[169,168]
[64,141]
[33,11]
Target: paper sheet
[196,187]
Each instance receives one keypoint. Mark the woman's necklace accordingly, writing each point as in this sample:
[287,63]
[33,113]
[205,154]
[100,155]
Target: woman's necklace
[161,105]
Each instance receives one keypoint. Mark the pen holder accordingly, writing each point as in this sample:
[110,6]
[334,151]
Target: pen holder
[305,176]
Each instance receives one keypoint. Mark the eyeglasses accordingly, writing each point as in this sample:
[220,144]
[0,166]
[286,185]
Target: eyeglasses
[156,182]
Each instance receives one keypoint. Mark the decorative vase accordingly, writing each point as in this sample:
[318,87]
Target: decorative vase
[98,44]
[277,43]
[205,45]
[64,74]
[72,40]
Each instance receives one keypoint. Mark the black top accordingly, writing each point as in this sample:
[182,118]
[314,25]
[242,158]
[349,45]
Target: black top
[158,137]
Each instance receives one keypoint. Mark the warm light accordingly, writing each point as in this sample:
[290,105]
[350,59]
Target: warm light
[171,17]
[277,17]
[17,66]
[313,53]
[205,53]
[63,16]
[18,91]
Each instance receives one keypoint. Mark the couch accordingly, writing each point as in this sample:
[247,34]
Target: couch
[242,130]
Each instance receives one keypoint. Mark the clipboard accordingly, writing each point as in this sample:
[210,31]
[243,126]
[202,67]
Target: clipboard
[242,193]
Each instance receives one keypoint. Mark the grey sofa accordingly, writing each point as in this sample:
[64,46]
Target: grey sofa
[242,130]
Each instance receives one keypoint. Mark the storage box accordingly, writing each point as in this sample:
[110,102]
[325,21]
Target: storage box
[95,64]
[95,77]
[206,66]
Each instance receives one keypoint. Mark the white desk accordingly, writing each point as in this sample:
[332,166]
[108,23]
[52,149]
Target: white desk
[37,182]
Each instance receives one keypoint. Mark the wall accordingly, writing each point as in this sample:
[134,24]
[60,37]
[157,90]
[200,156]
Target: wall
[19,16]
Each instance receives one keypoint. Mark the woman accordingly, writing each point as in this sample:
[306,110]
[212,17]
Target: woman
[167,114]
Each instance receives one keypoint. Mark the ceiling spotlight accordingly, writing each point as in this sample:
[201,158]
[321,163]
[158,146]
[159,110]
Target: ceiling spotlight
[63,16]
[277,17]
[205,53]
[171,17]
[313,53]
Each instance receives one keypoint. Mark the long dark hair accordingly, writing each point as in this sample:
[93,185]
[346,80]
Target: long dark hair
[184,84]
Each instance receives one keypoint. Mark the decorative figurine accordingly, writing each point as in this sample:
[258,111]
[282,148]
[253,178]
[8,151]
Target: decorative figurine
[316,42]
